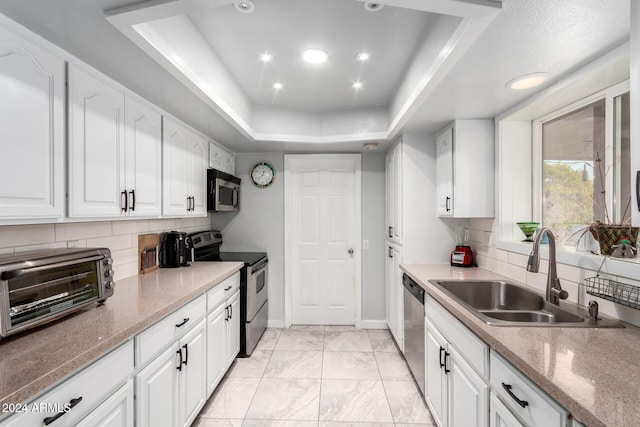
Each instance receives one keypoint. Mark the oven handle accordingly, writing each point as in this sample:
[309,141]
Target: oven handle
[12,274]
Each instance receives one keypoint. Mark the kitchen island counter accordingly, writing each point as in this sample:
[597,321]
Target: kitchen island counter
[34,361]
[594,373]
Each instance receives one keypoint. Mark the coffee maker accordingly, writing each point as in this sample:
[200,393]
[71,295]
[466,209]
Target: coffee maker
[175,249]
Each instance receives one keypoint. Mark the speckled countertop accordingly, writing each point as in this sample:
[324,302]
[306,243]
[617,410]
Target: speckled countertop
[33,361]
[593,373]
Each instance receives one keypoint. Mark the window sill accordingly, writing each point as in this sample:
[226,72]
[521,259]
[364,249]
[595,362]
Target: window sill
[626,267]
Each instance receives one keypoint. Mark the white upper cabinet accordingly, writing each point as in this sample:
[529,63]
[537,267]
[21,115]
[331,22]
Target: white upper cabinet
[465,169]
[184,170]
[634,52]
[96,146]
[393,177]
[143,158]
[114,150]
[32,95]
[221,159]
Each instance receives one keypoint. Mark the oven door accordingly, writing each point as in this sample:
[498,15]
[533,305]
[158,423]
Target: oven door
[34,295]
[257,281]
[227,196]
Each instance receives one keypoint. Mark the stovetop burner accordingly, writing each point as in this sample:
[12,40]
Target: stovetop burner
[207,248]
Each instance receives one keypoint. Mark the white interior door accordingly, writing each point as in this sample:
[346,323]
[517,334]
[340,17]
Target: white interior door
[323,212]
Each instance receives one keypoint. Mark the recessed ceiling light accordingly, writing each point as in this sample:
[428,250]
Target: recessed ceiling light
[278,85]
[363,56]
[357,85]
[370,146]
[372,6]
[244,6]
[266,57]
[527,81]
[315,55]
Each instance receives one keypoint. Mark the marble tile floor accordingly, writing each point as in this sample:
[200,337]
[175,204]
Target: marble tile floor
[318,376]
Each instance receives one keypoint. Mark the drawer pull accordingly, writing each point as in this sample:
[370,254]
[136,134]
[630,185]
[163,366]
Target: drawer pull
[230,311]
[227,288]
[446,357]
[522,403]
[71,404]
[182,323]
[440,358]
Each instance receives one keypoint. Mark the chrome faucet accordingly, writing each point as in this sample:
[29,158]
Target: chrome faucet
[554,291]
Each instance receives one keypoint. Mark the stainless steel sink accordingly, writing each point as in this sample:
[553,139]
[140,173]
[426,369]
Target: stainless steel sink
[506,304]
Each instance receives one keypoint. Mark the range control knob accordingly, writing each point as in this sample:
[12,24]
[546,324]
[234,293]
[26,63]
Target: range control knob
[108,273]
[108,262]
[110,284]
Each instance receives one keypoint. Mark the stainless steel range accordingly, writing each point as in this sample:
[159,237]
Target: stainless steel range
[254,305]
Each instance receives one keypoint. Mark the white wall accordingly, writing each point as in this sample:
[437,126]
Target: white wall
[259,226]
[119,236]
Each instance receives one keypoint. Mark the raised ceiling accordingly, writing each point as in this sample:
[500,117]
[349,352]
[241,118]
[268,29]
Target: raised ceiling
[556,36]
[214,49]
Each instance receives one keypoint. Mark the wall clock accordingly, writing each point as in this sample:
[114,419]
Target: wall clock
[263,175]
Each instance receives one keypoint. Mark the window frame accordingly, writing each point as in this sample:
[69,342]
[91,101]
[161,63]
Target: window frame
[608,95]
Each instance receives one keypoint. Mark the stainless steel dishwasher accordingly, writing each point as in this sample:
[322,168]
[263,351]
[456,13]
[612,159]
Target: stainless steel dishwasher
[414,329]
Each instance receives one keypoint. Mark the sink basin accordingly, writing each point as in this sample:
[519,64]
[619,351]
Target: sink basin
[502,303]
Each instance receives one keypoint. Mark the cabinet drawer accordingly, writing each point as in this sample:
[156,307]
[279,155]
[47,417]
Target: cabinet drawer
[475,351]
[92,385]
[165,332]
[222,291]
[540,409]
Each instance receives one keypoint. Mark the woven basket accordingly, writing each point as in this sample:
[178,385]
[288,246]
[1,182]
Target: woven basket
[609,235]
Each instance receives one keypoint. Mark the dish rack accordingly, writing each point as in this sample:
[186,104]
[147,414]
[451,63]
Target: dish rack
[612,290]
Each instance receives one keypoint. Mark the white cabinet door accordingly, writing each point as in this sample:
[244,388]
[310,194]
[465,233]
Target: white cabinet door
[444,172]
[216,156]
[468,395]
[216,346]
[157,391]
[117,411]
[96,147]
[143,158]
[175,165]
[229,162]
[198,175]
[233,328]
[436,385]
[193,375]
[393,177]
[501,416]
[394,290]
[32,95]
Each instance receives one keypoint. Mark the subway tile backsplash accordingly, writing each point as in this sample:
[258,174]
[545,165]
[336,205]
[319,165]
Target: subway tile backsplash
[121,237]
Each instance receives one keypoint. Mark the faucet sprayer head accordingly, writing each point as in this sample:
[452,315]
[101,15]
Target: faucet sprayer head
[533,264]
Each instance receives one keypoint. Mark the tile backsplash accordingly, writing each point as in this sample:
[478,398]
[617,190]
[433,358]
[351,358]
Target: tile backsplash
[513,265]
[119,236]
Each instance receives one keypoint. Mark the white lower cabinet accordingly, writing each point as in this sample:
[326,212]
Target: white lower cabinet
[85,394]
[223,329]
[394,294]
[116,411]
[501,416]
[172,388]
[456,395]
[525,400]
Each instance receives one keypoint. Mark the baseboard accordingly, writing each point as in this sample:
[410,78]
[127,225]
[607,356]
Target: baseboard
[373,324]
[275,324]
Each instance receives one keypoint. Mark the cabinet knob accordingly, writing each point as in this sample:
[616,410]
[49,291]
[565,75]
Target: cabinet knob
[350,251]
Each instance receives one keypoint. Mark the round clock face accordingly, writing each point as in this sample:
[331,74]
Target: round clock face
[263,175]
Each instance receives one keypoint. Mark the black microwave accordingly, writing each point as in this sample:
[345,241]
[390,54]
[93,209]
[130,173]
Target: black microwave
[223,191]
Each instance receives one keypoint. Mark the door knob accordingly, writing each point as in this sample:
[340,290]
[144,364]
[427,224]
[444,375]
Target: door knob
[350,251]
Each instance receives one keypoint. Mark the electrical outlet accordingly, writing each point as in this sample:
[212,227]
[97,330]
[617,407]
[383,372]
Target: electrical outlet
[365,244]
[73,244]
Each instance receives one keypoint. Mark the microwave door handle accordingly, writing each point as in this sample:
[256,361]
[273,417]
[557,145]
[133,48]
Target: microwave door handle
[235,198]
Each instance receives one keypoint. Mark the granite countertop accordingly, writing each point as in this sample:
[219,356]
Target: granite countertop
[593,373]
[34,360]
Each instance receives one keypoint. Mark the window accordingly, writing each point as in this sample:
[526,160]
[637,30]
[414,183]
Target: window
[585,171]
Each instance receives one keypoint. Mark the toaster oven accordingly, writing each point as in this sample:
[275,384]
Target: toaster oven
[40,286]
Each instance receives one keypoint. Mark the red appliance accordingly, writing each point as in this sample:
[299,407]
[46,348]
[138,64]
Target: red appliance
[462,256]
